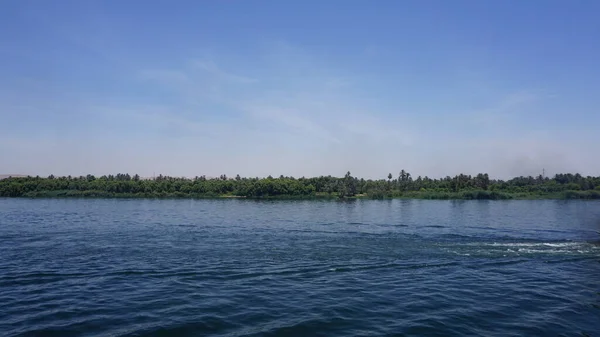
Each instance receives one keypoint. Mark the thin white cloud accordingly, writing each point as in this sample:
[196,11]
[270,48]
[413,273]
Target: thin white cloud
[505,109]
[337,82]
[212,68]
[168,77]
[292,119]
[296,116]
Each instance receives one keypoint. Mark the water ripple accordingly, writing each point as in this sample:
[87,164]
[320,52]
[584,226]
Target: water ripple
[235,268]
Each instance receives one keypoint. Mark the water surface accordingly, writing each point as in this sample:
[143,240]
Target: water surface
[299,268]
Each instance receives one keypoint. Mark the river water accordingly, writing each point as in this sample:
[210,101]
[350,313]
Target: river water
[99,267]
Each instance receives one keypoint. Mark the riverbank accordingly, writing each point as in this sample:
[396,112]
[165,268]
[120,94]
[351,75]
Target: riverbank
[464,195]
[480,187]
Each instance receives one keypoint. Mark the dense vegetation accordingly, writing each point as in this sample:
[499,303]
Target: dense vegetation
[568,186]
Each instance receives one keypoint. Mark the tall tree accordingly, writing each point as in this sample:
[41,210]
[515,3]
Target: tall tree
[402,175]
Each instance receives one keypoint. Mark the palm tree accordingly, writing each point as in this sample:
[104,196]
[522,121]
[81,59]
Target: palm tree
[402,175]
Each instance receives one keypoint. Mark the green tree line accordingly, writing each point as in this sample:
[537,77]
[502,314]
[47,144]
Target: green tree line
[403,185]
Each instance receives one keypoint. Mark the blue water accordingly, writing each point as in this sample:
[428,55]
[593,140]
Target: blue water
[299,268]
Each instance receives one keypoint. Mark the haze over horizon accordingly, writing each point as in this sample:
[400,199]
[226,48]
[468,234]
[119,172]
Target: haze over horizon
[308,88]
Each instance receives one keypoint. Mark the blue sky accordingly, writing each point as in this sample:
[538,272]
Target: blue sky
[299,88]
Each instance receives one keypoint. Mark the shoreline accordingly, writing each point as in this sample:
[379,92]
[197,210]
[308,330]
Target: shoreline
[461,187]
[466,195]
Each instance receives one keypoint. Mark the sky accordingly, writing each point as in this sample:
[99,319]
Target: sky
[299,88]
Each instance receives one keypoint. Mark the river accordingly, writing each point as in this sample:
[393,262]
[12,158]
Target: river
[103,267]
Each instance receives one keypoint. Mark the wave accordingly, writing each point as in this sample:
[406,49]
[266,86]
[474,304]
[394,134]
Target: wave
[393,265]
[536,244]
[507,249]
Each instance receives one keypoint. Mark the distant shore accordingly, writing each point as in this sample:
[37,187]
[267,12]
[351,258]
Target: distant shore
[470,195]
[460,187]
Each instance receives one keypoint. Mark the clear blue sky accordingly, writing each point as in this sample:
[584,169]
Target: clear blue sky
[299,87]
